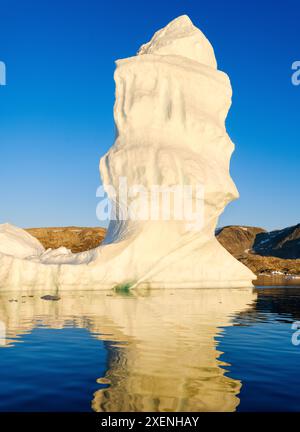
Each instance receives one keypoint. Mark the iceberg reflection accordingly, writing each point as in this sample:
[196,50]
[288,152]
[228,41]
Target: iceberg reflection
[162,346]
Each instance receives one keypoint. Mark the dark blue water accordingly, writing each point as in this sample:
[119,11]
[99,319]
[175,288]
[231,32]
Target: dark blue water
[196,350]
[51,370]
[261,353]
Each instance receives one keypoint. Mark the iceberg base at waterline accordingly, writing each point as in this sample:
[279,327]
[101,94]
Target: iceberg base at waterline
[118,265]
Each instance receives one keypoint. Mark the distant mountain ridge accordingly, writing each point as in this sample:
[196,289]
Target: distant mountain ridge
[284,243]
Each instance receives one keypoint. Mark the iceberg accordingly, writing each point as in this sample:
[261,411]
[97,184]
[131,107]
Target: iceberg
[170,110]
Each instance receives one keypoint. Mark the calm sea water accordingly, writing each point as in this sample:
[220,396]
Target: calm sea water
[184,350]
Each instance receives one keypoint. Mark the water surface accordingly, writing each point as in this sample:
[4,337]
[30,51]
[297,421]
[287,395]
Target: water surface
[160,350]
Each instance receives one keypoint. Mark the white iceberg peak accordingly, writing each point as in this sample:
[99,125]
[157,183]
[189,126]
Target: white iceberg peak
[180,37]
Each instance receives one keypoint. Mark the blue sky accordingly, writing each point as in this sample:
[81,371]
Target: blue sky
[56,111]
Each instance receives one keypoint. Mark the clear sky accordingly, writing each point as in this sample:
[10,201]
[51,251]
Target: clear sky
[56,111]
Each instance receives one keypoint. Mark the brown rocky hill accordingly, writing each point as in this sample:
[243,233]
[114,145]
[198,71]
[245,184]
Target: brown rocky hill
[78,239]
[238,239]
[265,253]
